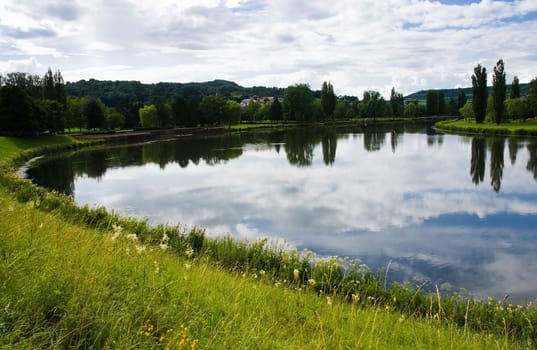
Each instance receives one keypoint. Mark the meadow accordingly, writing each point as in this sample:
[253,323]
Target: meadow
[513,128]
[81,277]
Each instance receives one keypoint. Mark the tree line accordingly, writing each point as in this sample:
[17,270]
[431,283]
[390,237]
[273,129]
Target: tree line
[30,104]
[496,106]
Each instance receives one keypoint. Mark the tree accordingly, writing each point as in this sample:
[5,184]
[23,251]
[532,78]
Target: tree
[498,91]
[232,112]
[93,114]
[263,112]
[342,110]
[275,112]
[212,109]
[397,103]
[413,110]
[18,112]
[149,116]
[467,111]
[436,103]
[373,105]
[532,96]
[164,113]
[477,162]
[328,99]
[461,99]
[479,93]
[517,108]
[515,88]
[297,102]
[250,111]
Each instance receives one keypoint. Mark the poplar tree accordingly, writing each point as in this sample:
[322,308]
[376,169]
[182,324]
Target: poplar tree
[515,88]
[479,93]
[498,91]
[328,99]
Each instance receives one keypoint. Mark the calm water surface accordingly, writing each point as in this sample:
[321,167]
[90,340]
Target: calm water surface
[438,208]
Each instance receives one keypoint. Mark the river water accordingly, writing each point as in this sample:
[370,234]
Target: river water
[455,211]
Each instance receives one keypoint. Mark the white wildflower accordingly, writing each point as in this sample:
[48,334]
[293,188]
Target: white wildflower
[133,237]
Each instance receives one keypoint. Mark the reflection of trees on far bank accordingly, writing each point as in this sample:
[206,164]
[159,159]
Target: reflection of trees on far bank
[497,147]
[532,159]
[477,162]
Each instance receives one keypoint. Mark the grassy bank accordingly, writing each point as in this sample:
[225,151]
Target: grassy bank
[349,122]
[65,286]
[518,128]
[66,281]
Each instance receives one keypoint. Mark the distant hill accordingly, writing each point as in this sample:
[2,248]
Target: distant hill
[113,93]
[453,94]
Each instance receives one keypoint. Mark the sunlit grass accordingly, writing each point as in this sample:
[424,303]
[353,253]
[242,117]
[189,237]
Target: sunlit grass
[64,286]
[10,146]
[519,128]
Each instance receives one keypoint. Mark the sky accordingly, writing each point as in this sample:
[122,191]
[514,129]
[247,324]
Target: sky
[410,45]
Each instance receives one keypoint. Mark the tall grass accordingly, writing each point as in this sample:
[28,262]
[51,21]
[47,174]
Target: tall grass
[65,286]
[339,281]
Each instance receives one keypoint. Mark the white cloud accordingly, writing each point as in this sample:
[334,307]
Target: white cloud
[357,45]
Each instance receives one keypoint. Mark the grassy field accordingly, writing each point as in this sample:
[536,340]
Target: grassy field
[65,285]
[517,128]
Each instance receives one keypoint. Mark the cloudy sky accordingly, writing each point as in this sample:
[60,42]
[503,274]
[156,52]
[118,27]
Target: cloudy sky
[357,44]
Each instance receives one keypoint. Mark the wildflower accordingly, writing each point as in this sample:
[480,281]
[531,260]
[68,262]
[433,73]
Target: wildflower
[355,298]
[311,282]
[157,267]
[132,237]
[189,252]
[262,272]
[140,248]
[329,301]
[188,266]
[296,274]
[164,242]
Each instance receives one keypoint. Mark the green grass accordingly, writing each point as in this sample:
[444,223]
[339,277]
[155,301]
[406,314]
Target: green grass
[65,286]
[64,282]
[516,128]
[9,146]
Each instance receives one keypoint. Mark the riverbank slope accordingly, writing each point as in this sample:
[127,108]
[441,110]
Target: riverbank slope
[64,285]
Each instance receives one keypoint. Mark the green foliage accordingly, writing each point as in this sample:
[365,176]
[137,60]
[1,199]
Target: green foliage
[413,110]
[342,110]
[532,96]
[436,103]
[250,111]
[18,112]
[397,103]
[515,88]
[93,114]
[373,105]
[517,108]
[149,117]
[276,112]
[328,99]
[479,93]
[461,99]
[213,109]
[498,91]
[115,93]
[232,112]
[297,103]
[467,111]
